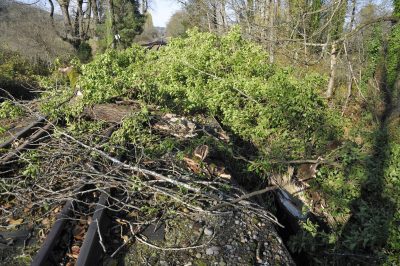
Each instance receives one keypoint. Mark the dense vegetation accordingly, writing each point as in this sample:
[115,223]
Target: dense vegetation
[283,114]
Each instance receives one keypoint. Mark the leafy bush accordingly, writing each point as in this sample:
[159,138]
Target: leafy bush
[84,52]
[9,110]
[228,77]
[392,188]
[13,68]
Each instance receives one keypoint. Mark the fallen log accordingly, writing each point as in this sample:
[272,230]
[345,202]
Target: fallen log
[111,113]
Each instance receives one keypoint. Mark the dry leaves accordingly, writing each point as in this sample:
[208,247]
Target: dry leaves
[15,222]
[74,252]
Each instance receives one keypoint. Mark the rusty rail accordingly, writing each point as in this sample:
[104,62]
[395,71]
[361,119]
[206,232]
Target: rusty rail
[23,133]
[27,144]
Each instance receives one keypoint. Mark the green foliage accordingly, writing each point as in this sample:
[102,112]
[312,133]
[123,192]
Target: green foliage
[338,20]
[392,188]
[13,68]
[231,78]
[111,75]
[128,21]
[373,44]
[305,239]
[178,24]
[134,130]
[81,126]
[9,110]
[228,77]
[32,167]
[149,33]
[393,61]
[275,109]
[84,52]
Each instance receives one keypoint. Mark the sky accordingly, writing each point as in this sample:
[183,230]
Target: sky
[162,10]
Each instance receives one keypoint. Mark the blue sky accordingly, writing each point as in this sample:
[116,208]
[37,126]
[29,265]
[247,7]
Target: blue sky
[162,10]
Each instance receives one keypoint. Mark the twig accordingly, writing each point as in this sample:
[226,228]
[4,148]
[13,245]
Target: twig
[247,196]
[133,168]
[141,240]
[100,238]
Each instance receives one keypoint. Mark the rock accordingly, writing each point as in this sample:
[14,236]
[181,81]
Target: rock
[209,251]
[208,231]
[214,250]
[237,222]
[198,256]
[176,126]
[228,247]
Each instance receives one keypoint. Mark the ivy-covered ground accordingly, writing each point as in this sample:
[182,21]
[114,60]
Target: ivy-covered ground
[278,122]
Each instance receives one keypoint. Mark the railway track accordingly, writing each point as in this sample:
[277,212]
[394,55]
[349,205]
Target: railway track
[65,244]
[76,237]
[92,228]
[82,233]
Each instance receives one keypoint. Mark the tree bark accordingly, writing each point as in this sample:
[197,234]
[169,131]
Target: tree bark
[271,31]
[144,6]
[80,19]
[64,5]
[353,13]
[51,8]
[334,53]
[112,26]
[95,12]
[221,16]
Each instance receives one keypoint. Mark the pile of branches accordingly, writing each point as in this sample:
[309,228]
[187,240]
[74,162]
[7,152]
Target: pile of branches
[57,169]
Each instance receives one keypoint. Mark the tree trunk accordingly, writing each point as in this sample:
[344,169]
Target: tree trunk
[144,6]
[221,18]
[334,53]
[353,14]
[64,4]
[80,19]
[214,13]
[271,31]
[95,12]
[112,20]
